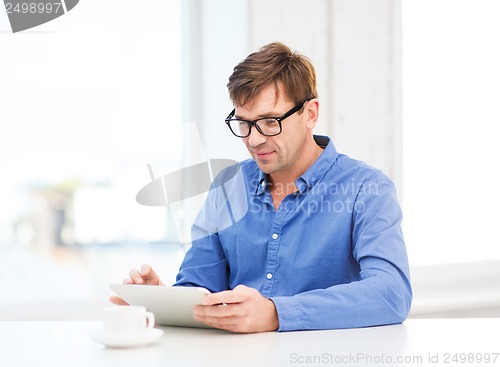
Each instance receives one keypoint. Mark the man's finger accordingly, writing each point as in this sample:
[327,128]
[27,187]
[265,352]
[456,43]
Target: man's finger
[218,322]
[220,310]
[223,297]
[136,276]
[118,301]
[149,275]
[146,270]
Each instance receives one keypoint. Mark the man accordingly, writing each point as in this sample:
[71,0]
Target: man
[319,244]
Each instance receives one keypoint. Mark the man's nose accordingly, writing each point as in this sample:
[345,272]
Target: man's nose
[256,138]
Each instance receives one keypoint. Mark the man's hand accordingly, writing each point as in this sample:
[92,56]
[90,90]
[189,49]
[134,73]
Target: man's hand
[146,276]
[242,310]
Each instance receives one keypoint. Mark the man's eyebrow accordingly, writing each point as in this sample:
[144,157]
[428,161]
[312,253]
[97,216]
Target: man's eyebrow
[264,115]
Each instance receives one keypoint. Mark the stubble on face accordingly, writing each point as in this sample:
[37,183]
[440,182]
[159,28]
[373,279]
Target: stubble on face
[272,154]
[271,159]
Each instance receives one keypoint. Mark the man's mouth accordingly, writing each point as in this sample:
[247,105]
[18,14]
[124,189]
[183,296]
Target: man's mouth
[263,155]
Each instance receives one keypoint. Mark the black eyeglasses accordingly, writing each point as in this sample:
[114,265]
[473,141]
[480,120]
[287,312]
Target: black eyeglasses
[267,126]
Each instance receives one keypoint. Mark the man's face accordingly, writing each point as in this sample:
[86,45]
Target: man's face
[274,153]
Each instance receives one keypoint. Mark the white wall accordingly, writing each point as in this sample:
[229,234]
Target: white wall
[451,129]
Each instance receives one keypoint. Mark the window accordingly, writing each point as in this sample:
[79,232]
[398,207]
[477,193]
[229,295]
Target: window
[87,101]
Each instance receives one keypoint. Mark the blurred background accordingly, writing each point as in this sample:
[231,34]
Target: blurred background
[89,100]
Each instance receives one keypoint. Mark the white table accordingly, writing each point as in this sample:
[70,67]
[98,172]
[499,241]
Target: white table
[416,342]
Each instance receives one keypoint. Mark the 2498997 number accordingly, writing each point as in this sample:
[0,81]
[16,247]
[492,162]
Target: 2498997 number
[33,8]
[470,358]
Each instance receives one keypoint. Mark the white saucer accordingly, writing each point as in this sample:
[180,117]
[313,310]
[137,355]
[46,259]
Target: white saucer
[118,341]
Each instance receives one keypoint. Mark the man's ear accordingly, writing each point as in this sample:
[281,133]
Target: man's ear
[311,111]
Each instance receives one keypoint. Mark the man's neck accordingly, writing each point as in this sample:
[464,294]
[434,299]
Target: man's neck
[283,182]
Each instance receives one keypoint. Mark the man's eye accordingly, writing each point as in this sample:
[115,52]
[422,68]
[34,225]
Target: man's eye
[269,122]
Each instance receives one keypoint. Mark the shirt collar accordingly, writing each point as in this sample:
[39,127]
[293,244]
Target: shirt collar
[261,184]
[313,173]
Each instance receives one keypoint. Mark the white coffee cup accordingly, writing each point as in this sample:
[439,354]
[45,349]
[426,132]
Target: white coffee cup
[127,321]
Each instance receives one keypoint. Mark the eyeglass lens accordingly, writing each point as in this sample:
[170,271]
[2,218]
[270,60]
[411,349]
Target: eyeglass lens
[268,126]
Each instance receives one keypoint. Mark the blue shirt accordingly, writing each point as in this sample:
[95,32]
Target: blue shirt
[331,256]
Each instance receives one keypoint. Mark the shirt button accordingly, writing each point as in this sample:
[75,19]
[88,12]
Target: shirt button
[275,236]
[269,276]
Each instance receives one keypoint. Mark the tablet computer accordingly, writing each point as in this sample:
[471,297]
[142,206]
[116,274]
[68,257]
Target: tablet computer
[172,306]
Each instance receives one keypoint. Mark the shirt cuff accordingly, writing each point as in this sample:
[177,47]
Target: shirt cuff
[289,313]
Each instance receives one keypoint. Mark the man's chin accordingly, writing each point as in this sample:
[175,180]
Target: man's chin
[266,167]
